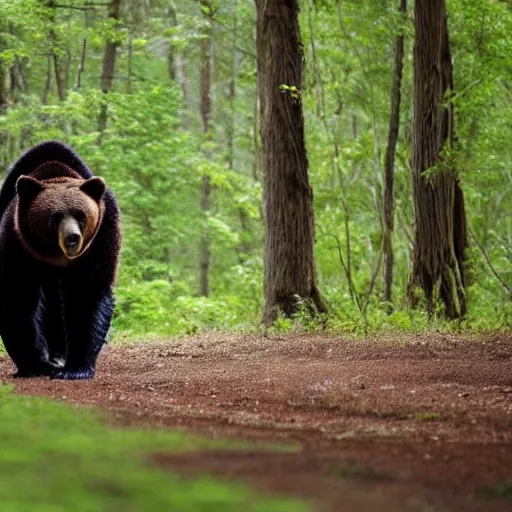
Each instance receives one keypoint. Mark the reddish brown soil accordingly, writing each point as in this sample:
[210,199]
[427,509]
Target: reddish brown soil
[422,423]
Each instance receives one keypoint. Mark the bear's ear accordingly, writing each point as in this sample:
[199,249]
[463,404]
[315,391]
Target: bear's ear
[94,187]
[27,187]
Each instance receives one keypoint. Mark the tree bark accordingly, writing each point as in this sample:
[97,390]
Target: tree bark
[171,54]
[205,201]
[440,222]
[4,101]
[48,81]
[205,56]
[54,55]
[130,62]
[81,67]
[204,247]
[83,53]
[3,89]
[289,267]
[231,95]
[3,80]
[389,165]
[109,64]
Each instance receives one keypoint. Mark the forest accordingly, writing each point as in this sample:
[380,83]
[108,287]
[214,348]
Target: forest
[305,178]
[313,306]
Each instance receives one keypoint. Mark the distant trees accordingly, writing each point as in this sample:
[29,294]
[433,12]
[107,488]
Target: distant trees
[440,222]
[389,164]
[3,80]
[289,267]
[109,64]
[203,108]
[54,59]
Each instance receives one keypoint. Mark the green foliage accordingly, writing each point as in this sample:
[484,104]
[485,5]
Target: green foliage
[427,416]
[500,490]
[154,152]
[56,457]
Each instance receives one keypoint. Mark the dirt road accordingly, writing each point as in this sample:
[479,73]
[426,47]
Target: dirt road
[408,424]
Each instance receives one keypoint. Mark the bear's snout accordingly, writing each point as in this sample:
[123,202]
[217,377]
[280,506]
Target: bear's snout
[70,237]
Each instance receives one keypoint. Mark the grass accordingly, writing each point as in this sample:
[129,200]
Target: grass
[357,472]
[56,458]
[500,490]
[427,416]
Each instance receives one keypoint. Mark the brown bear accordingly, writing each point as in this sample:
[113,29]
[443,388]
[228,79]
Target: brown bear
[60,241]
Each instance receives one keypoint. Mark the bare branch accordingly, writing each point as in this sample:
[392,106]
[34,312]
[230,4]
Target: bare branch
[351,285]
[487,259]
[88,7]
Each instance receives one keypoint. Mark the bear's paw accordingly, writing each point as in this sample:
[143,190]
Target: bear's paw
[80,374]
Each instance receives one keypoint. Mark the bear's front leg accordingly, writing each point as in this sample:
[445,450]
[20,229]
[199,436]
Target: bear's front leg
[19,297]
[22,341]
[51,318]
[87,320]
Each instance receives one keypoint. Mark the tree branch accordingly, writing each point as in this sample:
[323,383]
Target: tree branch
[487,259]
[88,7]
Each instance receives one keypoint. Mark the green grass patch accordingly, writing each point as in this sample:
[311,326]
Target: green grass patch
[56,458]
[499,490]
[357,472]
[427,416]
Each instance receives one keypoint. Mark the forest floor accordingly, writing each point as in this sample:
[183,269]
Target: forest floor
[405,423]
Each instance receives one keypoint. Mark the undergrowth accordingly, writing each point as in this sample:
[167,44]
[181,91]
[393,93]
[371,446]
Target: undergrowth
[155,313]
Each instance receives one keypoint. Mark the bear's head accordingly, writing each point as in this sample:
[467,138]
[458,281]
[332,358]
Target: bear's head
[58,218]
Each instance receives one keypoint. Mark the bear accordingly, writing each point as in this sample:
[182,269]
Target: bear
[60,242]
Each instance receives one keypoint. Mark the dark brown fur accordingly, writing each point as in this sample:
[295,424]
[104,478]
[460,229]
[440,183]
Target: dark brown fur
[53,305]
[58,195]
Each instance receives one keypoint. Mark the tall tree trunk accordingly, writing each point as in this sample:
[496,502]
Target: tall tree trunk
[48,80]
[83,53]
[243,248]
[58,70]
[4,100]
[109,64]
[176,62]
[256,163]
[21,74]
[389,166]
[231,95]
[3,88]
[171,54]
[3,79]
[182,76]
[59,80]
[289,267]
[130,62]
[440,231]
[205,201]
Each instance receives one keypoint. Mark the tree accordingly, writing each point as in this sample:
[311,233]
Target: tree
[289,268]
[109,65]
[205,201]
[54,57]
[3,81]
[440,223]
[394,123]
[155,151]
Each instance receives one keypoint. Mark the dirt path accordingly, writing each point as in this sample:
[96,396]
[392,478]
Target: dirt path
[422,423]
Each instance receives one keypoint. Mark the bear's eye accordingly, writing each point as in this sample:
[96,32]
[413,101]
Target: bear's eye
[55,219]
[79,215]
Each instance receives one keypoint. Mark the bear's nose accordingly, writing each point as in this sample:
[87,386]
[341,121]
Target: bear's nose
[72,240]
[70,237]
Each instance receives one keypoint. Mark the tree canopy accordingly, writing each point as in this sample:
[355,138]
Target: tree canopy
[154,152]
